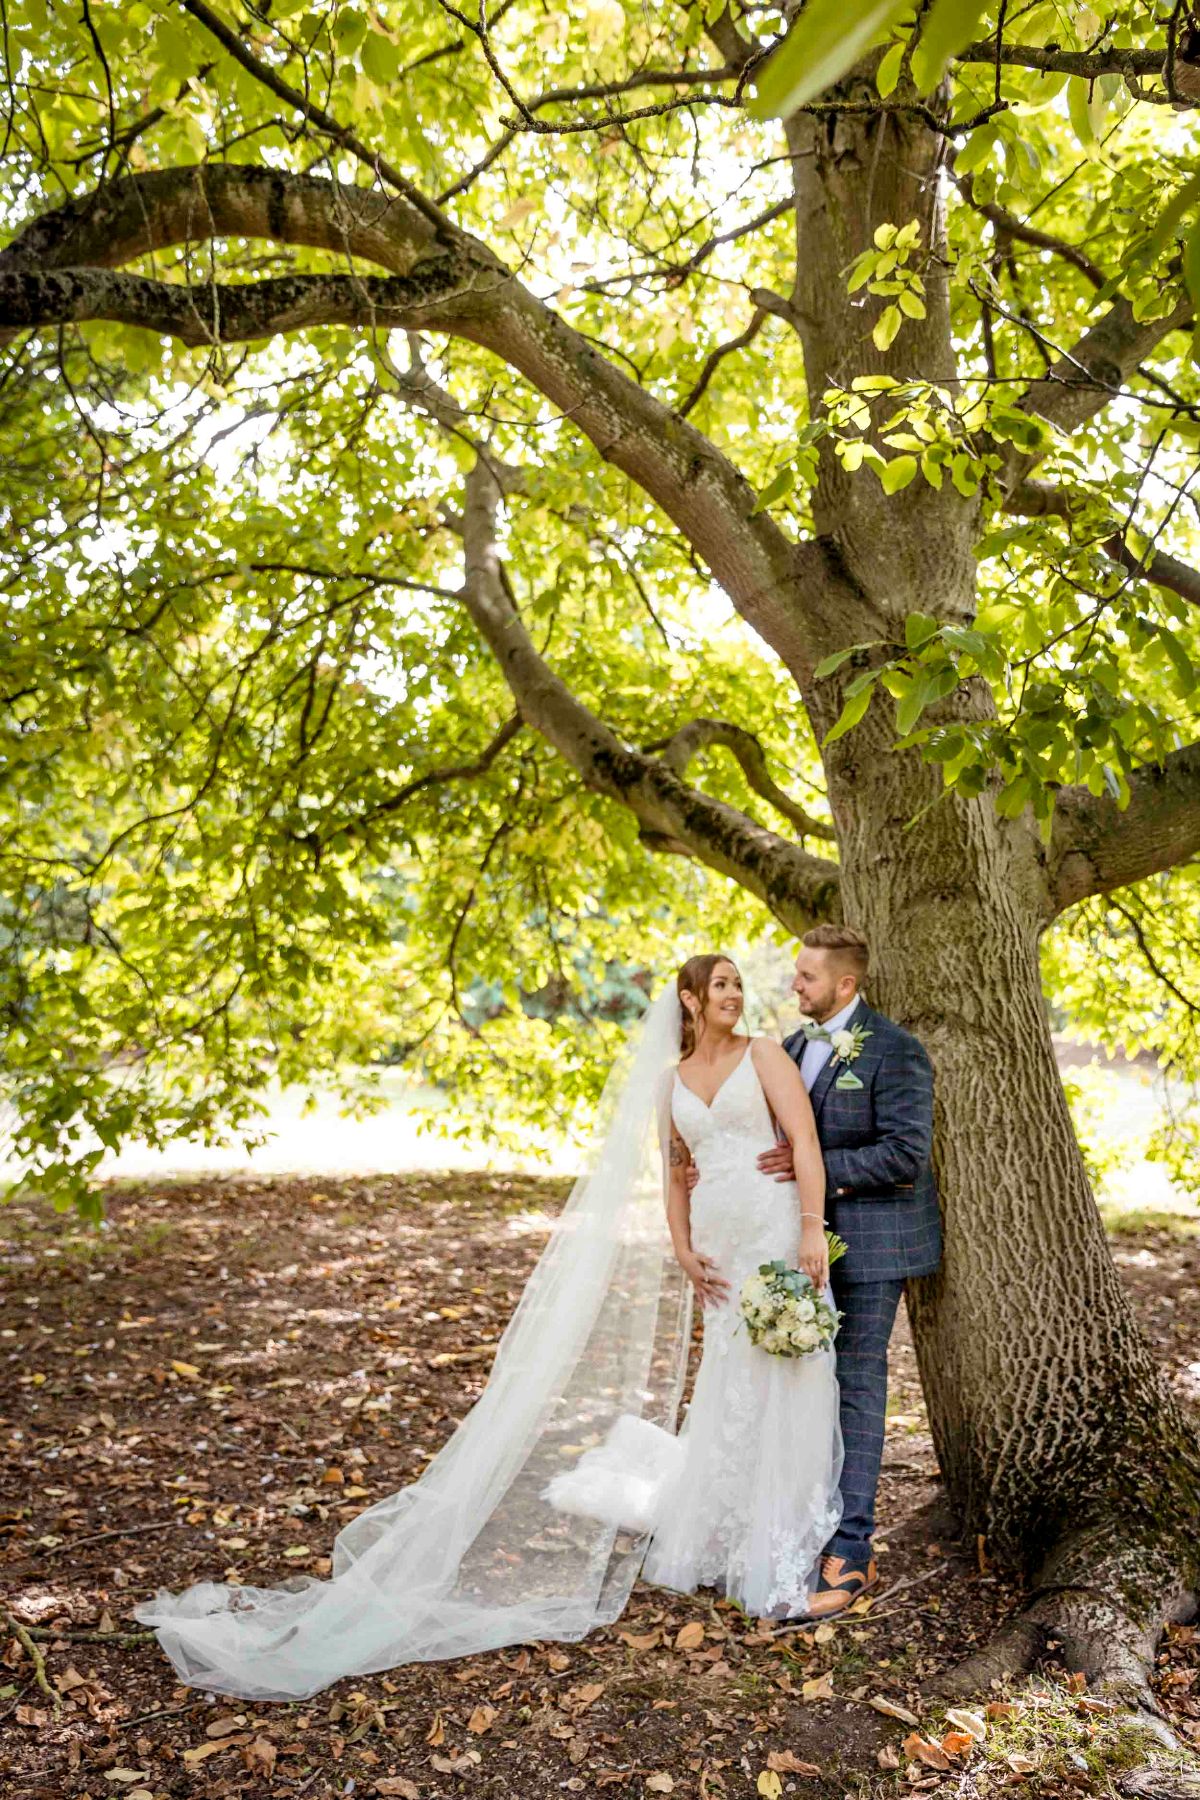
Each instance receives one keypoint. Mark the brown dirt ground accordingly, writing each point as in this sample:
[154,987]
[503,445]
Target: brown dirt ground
[229,1369]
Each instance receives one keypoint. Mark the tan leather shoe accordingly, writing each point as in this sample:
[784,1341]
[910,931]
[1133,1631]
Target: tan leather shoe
[839,1586]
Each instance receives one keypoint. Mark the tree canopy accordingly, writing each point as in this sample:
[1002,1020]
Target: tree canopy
[387,614]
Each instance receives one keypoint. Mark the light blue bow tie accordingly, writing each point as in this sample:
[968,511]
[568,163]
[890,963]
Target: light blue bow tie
[813,1031]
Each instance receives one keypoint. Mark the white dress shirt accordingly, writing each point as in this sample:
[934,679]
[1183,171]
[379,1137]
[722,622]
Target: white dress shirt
[818,1051]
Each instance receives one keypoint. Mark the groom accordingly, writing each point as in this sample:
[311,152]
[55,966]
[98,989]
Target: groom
[871,1086]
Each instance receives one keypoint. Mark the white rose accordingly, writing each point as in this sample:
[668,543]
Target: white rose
[806,1309]
[843,1043]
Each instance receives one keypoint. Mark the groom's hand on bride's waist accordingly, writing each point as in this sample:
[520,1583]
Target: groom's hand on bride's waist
[778,1162]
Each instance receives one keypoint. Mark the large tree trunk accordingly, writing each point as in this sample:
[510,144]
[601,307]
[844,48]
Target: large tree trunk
[1057,1437]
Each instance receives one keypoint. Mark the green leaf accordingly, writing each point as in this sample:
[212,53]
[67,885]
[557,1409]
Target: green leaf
[919,627]
[909,710]
[828,664]
[886,327]
[1191,263]
[1085,108]
[781,484]
[826,40]
[856,705]
[1181,662]
[976,150]
[949,26]
[898,473]
[888,72]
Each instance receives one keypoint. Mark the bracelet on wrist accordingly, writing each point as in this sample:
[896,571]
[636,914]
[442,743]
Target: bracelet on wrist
[808,1215]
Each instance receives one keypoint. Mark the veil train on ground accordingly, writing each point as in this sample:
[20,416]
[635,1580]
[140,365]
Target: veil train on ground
[471,1556]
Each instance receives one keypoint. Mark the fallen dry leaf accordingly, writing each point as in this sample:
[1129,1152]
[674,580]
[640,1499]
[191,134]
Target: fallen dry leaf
[198,1752]
[648,1641]
[189,1371]
[891,1710]
[973,1723]
[1002,1709]
[1021,1765]
[886,1757]
[955,1743]
[481,1719]
[784,1762]
[399,1786]
[924,1750]
[437,1731]
[259,1756]
[690,1636]
[818,1687]
[768,1785]
[225,1726]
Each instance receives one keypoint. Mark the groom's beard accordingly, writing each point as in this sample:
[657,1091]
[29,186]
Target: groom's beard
[827,1009]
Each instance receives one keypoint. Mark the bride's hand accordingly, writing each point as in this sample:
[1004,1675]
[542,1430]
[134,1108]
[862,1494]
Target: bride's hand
[711,1287]
[814,1253]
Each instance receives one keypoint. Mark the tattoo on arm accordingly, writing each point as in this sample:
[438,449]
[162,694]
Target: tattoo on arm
[678,1155]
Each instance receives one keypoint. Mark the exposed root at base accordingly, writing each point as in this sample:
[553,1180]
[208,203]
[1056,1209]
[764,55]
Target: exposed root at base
[1089,1630]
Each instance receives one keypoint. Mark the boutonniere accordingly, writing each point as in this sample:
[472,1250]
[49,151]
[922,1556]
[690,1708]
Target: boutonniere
[847,1046]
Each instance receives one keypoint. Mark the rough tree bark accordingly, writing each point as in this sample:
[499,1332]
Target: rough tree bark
[1057,1439]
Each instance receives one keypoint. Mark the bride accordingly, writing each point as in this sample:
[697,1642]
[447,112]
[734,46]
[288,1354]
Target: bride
[567,1478]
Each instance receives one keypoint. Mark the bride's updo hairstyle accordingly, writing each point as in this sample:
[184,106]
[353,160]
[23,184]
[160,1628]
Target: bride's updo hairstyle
[694,978]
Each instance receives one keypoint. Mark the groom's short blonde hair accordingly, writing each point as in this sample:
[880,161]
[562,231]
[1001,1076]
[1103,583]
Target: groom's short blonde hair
[846,943]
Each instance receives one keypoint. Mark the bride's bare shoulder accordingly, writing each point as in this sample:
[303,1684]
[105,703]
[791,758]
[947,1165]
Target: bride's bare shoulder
[769,1055]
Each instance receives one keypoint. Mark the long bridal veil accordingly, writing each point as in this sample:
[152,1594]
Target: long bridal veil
[472,1556]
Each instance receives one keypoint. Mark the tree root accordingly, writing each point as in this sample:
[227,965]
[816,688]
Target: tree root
[1078,1614]
[25,1639]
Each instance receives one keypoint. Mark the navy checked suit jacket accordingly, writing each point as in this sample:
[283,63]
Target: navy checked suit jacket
[880,1195]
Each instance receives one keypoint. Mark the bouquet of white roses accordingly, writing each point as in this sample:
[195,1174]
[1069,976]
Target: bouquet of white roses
[783,1311]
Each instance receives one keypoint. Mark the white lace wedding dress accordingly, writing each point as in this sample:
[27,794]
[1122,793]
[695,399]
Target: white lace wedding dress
[745,1498]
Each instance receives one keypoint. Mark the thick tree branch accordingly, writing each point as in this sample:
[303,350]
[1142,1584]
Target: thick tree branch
[1094,370]
[1042,499]
[1134,66]
[798,887]
[324,122]
[1097,846]
[678,750]
[786,592]
[1082,381]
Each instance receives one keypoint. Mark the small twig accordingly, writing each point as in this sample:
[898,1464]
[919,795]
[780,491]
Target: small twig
[23,1637]
[164,1712]
[120,1531]
[48,1634]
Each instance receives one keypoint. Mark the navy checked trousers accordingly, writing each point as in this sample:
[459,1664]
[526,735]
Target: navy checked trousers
[862,1369]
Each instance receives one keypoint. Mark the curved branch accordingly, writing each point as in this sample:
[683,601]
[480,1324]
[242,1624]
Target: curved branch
[798,888]
[1009,226]
[678,750]
[241,53]
[1097,845]
[786,592]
